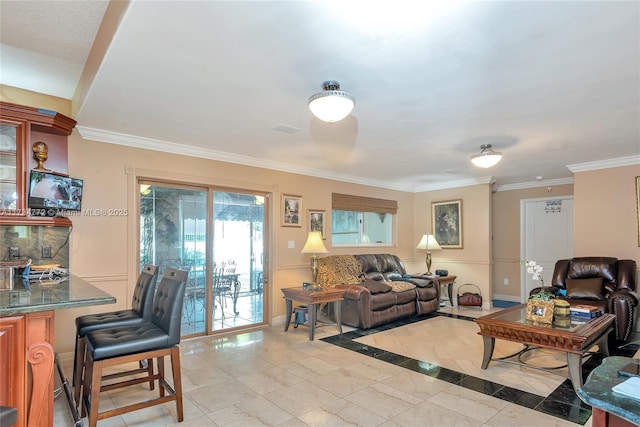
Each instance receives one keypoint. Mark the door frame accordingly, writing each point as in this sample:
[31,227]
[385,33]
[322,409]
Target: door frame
[523,202]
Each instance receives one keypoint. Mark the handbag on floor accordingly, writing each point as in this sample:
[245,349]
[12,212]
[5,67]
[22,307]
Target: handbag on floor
[471,299]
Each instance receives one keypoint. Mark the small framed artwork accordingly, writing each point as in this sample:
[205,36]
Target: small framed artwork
[539,311]
[446,223]
[316,221]
[291,209]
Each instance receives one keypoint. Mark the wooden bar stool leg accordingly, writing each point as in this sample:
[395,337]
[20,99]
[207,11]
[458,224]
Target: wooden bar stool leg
[150,373]
[161,373]
[177,381]
[78,373]
[94,390]
[88,372]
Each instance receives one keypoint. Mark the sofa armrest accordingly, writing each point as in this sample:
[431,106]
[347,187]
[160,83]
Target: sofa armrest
[354,292]
[622,303]
[632,297]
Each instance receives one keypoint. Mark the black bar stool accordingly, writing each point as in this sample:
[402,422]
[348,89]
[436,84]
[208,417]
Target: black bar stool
[140,311]
[156,338]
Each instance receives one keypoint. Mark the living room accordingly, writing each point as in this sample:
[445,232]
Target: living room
[104,250]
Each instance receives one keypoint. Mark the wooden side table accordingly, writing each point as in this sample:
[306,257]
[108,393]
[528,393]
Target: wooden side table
[312,299]
[447,281]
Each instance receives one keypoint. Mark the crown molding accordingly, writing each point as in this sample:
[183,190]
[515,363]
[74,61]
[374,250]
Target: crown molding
[454,184]
[604,164]
[186,150]
[535,184]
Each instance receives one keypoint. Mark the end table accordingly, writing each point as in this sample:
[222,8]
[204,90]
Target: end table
[313,298]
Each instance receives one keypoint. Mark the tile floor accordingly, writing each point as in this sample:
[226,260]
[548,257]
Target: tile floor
[417,372]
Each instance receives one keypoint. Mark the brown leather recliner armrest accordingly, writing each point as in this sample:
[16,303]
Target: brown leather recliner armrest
[353,292]
[622,303]
[626,274]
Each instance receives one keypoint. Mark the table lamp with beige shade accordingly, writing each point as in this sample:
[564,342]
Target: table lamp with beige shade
[314,245]
[428,243]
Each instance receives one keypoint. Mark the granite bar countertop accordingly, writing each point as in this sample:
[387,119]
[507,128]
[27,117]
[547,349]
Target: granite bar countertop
[66,292]
[597,392]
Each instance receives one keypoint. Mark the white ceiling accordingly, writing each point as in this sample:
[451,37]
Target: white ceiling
[548,83]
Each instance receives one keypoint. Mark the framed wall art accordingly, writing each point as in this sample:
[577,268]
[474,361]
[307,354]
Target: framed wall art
[317,221]
[446,223]
[291,209]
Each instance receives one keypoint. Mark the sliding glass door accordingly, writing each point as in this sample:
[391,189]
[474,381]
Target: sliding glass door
[238,253]
[218,236]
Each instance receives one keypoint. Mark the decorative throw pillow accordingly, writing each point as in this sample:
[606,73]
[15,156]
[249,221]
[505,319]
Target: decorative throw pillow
[585,288]
[376,286]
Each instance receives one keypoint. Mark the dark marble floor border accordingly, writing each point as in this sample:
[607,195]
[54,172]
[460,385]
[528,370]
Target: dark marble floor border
[562,402]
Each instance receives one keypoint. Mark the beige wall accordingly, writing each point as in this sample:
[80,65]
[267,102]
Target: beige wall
[34,99]
[606,213]
[506,236]
[472,263]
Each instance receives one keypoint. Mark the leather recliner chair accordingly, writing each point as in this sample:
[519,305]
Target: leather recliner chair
[616,294]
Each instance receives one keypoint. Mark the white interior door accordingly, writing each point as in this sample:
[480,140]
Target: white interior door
[546,236]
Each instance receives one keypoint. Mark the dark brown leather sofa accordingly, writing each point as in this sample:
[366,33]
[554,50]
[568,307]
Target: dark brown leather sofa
[378,289]
[606,282]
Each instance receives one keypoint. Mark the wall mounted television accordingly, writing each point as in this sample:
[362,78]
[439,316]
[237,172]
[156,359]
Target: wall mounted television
[51,193]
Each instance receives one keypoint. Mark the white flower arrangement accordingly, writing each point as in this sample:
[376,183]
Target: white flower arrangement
[534,269]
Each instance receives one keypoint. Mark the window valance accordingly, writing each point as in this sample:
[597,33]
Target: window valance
[347,202]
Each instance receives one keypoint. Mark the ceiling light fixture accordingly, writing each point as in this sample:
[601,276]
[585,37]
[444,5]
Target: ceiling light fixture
[487,157]
[331,105]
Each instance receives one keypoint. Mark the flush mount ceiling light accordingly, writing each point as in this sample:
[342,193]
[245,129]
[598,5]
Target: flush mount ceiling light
[331,105]
[487,157]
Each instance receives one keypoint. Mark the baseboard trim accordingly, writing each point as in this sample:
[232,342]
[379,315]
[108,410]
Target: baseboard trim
[510,298]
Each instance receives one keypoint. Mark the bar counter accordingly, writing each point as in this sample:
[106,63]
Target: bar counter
[27,338]
[609,408]
[71,292]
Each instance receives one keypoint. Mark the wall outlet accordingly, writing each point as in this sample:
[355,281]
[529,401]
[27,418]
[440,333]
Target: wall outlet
[14,252]
[46,252]
[506,281]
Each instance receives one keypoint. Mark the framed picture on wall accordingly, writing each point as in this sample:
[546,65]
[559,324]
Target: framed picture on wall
[317,222]
[291,209]
[446,223]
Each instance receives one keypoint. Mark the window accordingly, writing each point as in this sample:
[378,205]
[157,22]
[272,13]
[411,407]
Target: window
[366,228]
[357,220]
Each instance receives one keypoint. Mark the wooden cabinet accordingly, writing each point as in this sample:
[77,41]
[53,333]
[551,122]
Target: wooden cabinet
[26,367]
[20,128]
[12,165]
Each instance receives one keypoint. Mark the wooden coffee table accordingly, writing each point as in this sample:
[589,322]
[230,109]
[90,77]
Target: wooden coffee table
[313,298]
[574,340]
